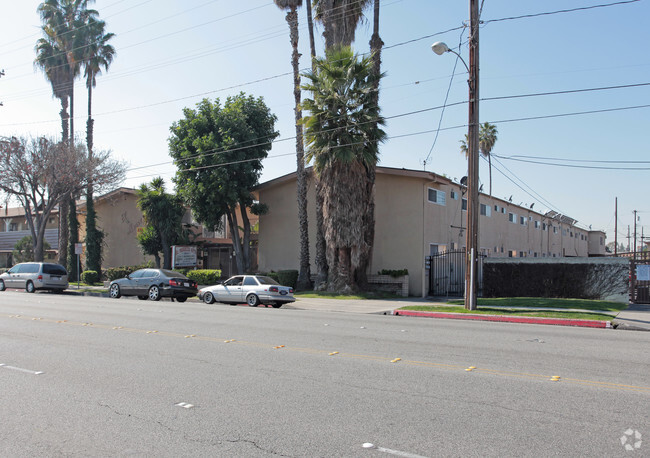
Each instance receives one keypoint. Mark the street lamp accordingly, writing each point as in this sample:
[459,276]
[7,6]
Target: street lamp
[471,253]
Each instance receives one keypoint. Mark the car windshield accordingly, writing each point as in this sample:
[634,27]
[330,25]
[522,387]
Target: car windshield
[172,274]
[264,280]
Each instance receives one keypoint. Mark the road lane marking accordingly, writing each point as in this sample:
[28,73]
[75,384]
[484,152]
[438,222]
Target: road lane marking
[391,451]
[20,369]
[184,405]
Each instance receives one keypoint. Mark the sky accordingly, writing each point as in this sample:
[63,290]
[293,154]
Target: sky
[570,138]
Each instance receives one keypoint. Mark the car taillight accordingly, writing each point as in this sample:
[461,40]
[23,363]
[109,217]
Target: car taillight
[40,278]
[291,290]
[273,289]
[174,282]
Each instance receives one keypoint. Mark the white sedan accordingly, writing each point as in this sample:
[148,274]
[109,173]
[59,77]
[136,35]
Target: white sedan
[251,289]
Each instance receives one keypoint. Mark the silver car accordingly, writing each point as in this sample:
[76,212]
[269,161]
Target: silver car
[35,275]
[251,289]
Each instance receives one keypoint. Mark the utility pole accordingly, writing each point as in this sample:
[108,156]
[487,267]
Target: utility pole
[616,226]
[471,271]
[634,234]
[628,238]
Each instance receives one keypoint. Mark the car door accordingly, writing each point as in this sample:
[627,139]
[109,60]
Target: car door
[12,278]
[129,286]
[149,277]
[231,290]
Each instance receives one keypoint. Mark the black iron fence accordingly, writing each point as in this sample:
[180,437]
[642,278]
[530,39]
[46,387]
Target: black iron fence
[640,279]
[447,273]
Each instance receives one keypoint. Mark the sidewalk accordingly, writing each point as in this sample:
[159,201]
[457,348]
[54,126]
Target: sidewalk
[635,318]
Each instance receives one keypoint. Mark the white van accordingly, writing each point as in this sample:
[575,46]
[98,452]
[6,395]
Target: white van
[35,275]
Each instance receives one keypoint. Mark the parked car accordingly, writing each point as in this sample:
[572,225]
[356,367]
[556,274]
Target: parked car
[251,289]
[153,284]
[35,275]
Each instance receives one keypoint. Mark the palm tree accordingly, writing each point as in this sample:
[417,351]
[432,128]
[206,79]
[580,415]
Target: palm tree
[340,19]
[487,137]
[343,145]
[63,22]
[304,275]
[98,54]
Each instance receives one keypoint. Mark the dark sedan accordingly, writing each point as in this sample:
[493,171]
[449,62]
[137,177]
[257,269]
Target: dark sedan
[154,284]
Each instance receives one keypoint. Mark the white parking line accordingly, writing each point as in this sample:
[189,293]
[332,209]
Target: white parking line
[22,370]
[392,452]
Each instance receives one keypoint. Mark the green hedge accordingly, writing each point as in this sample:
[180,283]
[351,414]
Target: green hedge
[288,278]
[89,277]
[120,272]
[394,272]
[205,276]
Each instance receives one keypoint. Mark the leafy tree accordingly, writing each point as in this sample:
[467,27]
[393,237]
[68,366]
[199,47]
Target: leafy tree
[219,150]
[163,212]
[304,274]
[343,146]
[487,137]
[149,241]
[24,249]
[41,173]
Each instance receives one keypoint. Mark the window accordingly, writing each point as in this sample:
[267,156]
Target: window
[522,221]
[436,196]
[522,254]
[464,204]
[496,208]
[536,225]
[503,210]
[512,218]
[250,281]
[555,229]
[485,210]
[13,227]
[544,226]
[453,195]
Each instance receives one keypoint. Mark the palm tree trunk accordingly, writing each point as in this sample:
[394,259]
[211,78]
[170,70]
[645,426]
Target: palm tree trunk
[490,168]
[64,210]
[321,246]
[304,274]
[93,236]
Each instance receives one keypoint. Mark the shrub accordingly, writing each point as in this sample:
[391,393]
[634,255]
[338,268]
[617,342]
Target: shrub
[205,276]
[394,272]
[120,272]
[288,278]
[90,277]
[273,275]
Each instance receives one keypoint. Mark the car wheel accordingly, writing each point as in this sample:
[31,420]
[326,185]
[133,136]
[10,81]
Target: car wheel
[114,291]
[181,299]
[143,298]
[208,298]
[29,287]
[276,305]
[154,293]
[2,285]
[252,300]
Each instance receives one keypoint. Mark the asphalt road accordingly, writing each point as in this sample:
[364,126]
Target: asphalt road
[87,376]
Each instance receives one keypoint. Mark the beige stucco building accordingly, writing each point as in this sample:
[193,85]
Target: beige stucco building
[417,214]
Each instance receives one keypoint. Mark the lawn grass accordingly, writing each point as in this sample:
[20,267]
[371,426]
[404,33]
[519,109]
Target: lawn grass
[510,312]
[555,303]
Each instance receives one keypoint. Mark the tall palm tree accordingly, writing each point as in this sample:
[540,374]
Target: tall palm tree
[98,54]
[343,144]
[487,137]
[64,22]
[304,275]
[340,19]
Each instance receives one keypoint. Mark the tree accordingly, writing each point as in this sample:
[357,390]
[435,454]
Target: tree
[64,27]
[340,19]
[149,241]
[41,173]
[164,213]
[219,152]
[343,145]
[24,250]
[98,54]
[487,137]
[304,274]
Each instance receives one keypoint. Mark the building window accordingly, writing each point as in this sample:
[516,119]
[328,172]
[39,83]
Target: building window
[555,229]
[522,254]
[522,220]
[464,204]
[496,209]
[503,210]
[512,218]
[437,197]
[13,227]
[485,210]
[536,224]
[453,195]
[543,226]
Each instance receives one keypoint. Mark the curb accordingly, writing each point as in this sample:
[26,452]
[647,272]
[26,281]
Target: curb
[506,319]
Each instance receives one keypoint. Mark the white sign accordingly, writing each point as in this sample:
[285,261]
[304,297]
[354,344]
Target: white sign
[78,248]
[183,256]
[643,273]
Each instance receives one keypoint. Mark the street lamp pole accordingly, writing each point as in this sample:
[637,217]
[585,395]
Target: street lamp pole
[472,250]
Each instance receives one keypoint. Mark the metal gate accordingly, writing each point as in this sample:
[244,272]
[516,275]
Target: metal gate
[640,279]
[447,273]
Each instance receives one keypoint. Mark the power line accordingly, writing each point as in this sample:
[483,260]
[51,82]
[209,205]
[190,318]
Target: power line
[572,165]
[572,10]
